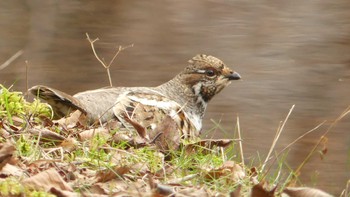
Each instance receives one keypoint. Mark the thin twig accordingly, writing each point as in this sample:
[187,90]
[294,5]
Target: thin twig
[120,48]
[109,77]
[93,49]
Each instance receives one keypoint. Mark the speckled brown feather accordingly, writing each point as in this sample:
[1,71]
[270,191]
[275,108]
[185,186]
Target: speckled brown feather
[183,99]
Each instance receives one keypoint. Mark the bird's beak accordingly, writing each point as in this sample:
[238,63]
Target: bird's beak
[233,76]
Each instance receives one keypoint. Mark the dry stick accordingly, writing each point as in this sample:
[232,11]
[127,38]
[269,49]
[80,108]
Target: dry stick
[342,115]
[11,59]
[240,141]
[279,131]
[120,48]
[98,58]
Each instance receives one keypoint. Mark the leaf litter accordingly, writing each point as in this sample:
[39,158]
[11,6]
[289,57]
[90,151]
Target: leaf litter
[66,157]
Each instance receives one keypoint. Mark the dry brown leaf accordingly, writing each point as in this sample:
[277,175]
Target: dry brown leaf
[88,134]
[324,150]
[113,124]
[206,145]
[121,137]
[237,192]
[63,193]
[46,121]
[9,127]
[230,170]
[135,141]
[17,121]
[11,170]
[109,174]
[72,120]
[305,192]
[259,191]
[166,136]
[46,180]
[210,143]
[139,128]
[69,144]
[109,188]
[193,192]
[4,134]
[46,135]
[37,166]
[6,153]
[163,190]
[97,189]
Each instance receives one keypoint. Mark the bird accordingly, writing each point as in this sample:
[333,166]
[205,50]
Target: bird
[175,108]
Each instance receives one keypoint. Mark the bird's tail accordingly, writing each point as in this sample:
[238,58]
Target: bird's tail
[61,103]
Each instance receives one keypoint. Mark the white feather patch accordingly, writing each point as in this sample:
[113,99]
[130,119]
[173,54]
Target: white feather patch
[160,104]
[197,89]
[195,120]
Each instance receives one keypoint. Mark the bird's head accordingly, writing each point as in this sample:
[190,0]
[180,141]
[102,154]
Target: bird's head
[206,76]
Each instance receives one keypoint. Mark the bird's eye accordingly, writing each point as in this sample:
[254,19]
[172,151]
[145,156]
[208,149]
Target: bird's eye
[210,73]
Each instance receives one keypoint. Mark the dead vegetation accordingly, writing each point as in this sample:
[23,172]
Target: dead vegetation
[44,157]
[41,156]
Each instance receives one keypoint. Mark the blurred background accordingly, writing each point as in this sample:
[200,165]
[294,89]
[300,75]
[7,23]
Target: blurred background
[288,52]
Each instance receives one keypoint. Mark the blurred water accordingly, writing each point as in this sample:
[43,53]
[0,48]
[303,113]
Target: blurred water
[288,52]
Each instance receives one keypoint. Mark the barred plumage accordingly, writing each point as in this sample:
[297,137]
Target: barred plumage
[178,104]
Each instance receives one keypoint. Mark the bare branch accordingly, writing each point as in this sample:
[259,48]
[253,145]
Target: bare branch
[120,48]
[102,61]
[93,49]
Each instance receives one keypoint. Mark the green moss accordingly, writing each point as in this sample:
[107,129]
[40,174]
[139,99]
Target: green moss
[13,104]
[12,187]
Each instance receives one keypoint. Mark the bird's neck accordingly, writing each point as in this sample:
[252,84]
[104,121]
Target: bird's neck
[185,95]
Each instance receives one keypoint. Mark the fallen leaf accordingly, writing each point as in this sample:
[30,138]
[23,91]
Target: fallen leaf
[305,192]
[63,193]
[109,174]
[11,170]
[259,191]
[163,190]
[69,144]
[46,121]
[139,128]
[46,135]
[206,145]
[72,120]
[46,180]
[324,150]
[6,153]
[166,136]
[236,192]
[17,121]
[135,141]
[230,170]
[97,189]
[89,134]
